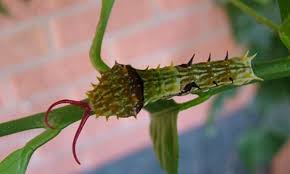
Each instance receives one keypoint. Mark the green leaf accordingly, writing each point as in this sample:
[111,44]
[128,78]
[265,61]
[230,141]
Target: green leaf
[163,131]
[284,32]
[258,147]
[284,6]
[16,162]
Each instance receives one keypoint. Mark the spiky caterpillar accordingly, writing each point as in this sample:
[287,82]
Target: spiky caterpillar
[123,90]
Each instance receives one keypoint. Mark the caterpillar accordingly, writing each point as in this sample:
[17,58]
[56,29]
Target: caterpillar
[123,90]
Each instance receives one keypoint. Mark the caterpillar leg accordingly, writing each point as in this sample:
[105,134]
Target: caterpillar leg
[85,117]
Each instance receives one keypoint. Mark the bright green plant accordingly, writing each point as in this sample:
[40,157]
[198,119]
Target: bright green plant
[164,113]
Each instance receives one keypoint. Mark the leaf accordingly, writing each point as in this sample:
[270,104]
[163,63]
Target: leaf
[284,32]
[284,6]
[16,162]
[258,147]
[255,36]
[163,131]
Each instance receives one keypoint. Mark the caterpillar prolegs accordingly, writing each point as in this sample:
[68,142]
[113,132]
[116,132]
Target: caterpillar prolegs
[123,90]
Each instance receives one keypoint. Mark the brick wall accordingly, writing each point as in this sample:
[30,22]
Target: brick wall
[44,57]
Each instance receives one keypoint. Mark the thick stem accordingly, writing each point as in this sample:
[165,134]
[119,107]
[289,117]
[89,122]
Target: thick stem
[273,69]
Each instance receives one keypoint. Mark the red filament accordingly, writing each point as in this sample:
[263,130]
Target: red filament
[85,117]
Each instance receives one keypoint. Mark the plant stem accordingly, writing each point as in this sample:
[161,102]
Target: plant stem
[272,69]
[95,51]
[60,118]
[196,101]
[259,18]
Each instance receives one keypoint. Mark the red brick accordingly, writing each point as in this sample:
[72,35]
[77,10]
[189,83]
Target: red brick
[23,46]
[217,17]
[75,28]
[72,29]
[52,75]
[73,91]
[22,11]
[166,34]
[128,12]
[7,94]
[169,5]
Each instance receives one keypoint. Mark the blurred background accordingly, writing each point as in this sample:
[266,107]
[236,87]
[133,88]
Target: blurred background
[44,49]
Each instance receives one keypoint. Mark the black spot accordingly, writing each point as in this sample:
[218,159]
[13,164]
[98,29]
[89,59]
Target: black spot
[214,82]
[231,79]
[187,88]
[138,87]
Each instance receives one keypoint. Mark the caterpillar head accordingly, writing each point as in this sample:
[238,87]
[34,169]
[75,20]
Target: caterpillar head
[119,92]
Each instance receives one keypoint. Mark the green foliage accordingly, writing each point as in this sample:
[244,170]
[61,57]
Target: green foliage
[258,147]
[164,136]
[284,6]
[16,162]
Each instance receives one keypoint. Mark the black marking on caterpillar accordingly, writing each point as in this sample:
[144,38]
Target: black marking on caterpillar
[124,90]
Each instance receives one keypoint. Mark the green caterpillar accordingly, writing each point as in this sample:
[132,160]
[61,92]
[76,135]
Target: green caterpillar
[123,90]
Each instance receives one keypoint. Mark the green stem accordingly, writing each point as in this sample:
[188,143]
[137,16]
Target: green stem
[60,118]
[259,18]
[22,124]
[196,101]
[95,51]
[272,69]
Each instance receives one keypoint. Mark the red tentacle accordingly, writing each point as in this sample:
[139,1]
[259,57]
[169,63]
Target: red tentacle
[73,102]
[85,117]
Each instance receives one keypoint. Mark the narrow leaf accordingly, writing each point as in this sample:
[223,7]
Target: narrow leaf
[16,162]
[163,131]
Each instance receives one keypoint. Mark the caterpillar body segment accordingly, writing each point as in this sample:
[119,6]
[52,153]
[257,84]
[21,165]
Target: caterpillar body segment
[119,93]
[123,90]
